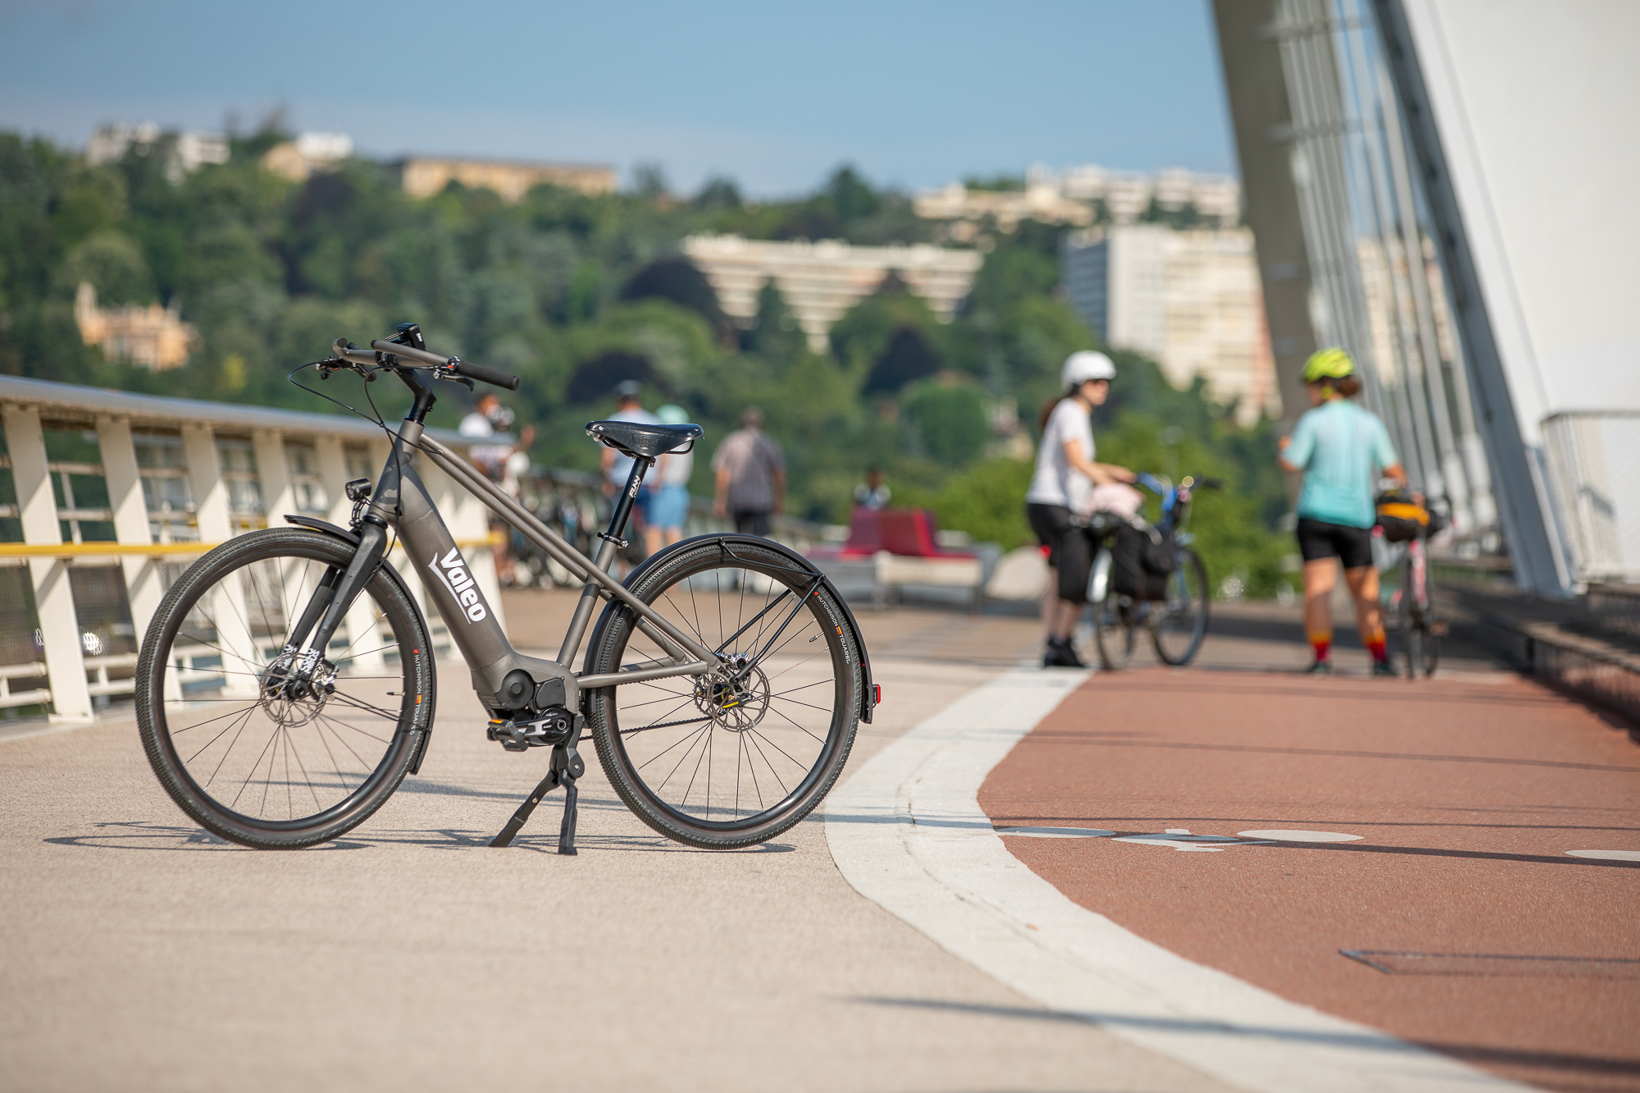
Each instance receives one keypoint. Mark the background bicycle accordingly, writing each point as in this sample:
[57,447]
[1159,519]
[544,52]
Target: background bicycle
[1147,578]
[1405,526]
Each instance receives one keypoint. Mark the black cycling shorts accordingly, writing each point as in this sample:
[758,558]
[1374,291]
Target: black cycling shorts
[1070,548]
[1318,539]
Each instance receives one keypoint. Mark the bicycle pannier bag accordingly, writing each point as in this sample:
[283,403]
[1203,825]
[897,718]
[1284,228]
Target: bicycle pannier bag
[1402,520]
[1141,559]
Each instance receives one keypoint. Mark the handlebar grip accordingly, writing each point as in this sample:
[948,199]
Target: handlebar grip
[487,375]
[343,349]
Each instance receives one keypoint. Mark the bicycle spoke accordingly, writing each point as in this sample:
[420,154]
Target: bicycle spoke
[771,695]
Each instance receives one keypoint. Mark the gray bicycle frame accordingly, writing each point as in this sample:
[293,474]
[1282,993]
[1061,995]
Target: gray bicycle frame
[400,498]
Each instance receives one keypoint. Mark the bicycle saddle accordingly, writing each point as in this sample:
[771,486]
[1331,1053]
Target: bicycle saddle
[643,441]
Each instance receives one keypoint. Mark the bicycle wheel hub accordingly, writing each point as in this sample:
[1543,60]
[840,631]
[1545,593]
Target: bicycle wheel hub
[288,699]
[736,697]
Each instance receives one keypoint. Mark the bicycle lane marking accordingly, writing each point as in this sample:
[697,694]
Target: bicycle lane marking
[907,832]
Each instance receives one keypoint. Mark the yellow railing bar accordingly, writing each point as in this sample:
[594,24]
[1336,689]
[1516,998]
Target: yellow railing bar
[151,550]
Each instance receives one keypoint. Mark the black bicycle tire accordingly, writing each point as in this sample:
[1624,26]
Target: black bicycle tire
[1109,660]
[648,584]
[1418,639]
[1185,556]
[416,712]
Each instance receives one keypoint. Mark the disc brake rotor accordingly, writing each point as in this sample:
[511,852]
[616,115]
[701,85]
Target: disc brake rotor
[292,703]
[736,700]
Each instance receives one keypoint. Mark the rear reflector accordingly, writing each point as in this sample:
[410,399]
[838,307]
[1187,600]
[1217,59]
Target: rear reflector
[877,694]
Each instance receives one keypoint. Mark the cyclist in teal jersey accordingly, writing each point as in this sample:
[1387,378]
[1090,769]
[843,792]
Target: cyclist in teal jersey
[1336,444]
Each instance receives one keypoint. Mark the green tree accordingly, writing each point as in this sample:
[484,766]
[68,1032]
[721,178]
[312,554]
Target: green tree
[949,419]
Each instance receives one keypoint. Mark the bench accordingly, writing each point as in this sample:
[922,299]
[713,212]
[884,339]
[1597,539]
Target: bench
[889,549]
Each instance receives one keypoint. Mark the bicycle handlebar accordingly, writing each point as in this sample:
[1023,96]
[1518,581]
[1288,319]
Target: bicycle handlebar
[433,360]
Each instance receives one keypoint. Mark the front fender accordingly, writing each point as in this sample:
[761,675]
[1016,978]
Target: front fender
[324,527]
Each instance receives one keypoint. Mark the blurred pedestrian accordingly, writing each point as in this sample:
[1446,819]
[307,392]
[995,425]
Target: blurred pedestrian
[628,407]
[500,462]
[751,476]
[669,503]
[873,493]
[1336,444]
[1062,493]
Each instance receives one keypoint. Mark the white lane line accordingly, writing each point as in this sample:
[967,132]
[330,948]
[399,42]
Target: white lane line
[907,832]
[1301,836]
[1180,839]
[1606,855]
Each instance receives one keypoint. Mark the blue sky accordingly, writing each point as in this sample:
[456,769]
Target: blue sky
[772,94]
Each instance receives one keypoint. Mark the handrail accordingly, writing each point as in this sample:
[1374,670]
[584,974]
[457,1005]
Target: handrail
[153,550]
[78,402]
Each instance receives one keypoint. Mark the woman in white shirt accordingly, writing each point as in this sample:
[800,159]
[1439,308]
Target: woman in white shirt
[1067,486]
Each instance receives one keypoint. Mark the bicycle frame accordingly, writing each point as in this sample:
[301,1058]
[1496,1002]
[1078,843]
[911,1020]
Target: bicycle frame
[400,500]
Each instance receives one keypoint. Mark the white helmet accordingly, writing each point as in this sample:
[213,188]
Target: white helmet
[1085,365]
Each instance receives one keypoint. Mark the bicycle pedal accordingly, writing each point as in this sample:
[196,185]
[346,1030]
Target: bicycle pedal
[552,727]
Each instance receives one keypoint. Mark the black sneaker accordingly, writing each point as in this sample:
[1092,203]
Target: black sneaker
[1381,669]
[1059,654]
[1319,668]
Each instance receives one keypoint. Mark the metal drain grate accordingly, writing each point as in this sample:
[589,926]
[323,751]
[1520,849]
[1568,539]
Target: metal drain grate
[1488,964]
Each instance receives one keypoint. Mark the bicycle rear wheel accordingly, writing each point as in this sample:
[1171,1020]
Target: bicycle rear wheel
[738,755]
[238,748]
[1183,617]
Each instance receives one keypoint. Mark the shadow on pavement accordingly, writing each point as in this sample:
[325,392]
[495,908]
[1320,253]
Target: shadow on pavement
[1586,1064]
[1102,740]
[1305,824]
[144,835]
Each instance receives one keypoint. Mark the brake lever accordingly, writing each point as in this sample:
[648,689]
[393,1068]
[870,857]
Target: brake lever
[447,373]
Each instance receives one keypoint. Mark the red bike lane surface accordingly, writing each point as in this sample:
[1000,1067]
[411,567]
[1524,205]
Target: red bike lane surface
[1466,795]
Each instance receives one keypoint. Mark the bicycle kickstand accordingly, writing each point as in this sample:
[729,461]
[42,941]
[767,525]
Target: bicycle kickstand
[565,768]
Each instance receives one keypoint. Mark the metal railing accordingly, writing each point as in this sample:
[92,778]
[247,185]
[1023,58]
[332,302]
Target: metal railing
[179,476]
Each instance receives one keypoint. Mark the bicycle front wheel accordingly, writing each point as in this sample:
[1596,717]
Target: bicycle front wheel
[1183,621]
[740,754]
[1422,647]
[239,747]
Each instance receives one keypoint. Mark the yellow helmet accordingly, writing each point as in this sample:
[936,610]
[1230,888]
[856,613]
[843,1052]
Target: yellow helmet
[1328,364]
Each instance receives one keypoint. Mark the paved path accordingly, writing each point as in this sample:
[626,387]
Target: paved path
[1457,805]
[138,954]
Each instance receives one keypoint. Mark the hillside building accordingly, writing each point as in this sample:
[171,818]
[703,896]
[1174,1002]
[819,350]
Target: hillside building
[423,176]
[821,281]
[310,153]
[153,336]
[188,152]
[1072,196]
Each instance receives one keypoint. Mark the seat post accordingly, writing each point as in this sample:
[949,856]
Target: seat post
[629,497]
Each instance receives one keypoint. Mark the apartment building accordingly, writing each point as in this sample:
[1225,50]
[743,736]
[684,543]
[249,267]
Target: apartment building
[1189,299]
[823,280]
[1071,197]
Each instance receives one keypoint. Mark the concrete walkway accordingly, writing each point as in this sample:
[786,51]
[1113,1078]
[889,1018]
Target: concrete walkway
[137,953]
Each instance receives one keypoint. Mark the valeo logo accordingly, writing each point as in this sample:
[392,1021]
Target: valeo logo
[452,570]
